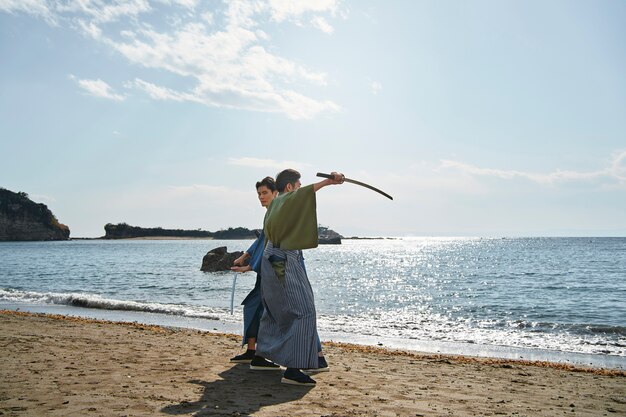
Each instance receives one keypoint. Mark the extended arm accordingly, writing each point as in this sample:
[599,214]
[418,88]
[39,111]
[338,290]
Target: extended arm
[241,269]
[338,179]
[254,253]
[239,262]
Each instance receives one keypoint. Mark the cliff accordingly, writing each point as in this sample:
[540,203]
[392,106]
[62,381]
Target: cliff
[23,219]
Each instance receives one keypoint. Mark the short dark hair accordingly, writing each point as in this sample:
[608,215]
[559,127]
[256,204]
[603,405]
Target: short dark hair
[267,182]
[288,176]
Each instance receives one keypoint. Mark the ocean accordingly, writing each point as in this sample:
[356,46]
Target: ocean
[555,299]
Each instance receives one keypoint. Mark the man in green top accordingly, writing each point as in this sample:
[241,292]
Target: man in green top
[288,330]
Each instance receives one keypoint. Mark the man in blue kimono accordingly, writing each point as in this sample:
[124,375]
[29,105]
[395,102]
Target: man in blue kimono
[253,306]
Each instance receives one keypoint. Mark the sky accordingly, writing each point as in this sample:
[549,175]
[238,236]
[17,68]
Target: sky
[481,118]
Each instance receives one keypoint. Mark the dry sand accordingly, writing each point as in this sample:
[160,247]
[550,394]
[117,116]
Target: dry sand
[63,366]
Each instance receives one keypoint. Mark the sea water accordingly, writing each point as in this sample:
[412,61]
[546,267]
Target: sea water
[558,299]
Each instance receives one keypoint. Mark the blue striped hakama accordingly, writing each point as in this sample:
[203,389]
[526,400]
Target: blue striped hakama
[288,329]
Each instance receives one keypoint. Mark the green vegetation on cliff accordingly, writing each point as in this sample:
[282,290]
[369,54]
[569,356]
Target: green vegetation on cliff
[235,233]
[23,219]
[126,231]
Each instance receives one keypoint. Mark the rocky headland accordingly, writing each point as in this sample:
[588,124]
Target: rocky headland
[22,219]
[126,231]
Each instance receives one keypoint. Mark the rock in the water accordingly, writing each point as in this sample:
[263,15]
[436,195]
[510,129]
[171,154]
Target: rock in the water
[329,240]
[219,260]
[326,236]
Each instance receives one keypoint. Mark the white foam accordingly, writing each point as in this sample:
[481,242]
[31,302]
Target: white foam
[98,302]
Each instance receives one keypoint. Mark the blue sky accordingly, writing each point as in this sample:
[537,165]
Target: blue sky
[481,118]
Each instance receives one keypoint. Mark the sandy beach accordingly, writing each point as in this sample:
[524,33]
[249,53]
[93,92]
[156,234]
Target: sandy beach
[65,366]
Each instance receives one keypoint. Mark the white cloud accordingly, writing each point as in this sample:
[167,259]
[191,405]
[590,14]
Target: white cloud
[290,9]
[616,171]
[225,53]
[295,11]
[189,4]
[266,163]
[37,8]
[230,69]
[208,17]
[102,12]
[90,29]
[98,88]
[160,93]
[376,87]
[321,23]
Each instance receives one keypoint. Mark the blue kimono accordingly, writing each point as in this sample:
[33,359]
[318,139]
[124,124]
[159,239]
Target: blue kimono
[252,304]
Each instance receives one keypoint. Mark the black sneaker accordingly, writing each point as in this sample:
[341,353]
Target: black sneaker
[244,357]
[262,364]
[293,376]
[322,366]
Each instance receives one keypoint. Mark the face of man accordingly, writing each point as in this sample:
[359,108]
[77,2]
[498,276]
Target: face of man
[265,195]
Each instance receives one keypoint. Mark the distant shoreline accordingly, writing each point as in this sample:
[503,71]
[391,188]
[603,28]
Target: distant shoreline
[208,238]
[148,238]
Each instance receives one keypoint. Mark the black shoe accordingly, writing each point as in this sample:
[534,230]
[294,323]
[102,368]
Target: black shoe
[322,366]
[262,364]
[293,376]
[244,357]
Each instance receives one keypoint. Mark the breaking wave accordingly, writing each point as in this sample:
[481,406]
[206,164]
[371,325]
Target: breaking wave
[98,302]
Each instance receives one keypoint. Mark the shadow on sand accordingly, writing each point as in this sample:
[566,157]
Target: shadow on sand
[240,392]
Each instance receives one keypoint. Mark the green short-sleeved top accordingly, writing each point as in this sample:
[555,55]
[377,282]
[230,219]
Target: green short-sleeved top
[291,220]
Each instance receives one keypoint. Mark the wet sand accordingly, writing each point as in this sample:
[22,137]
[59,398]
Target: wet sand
[66,366]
